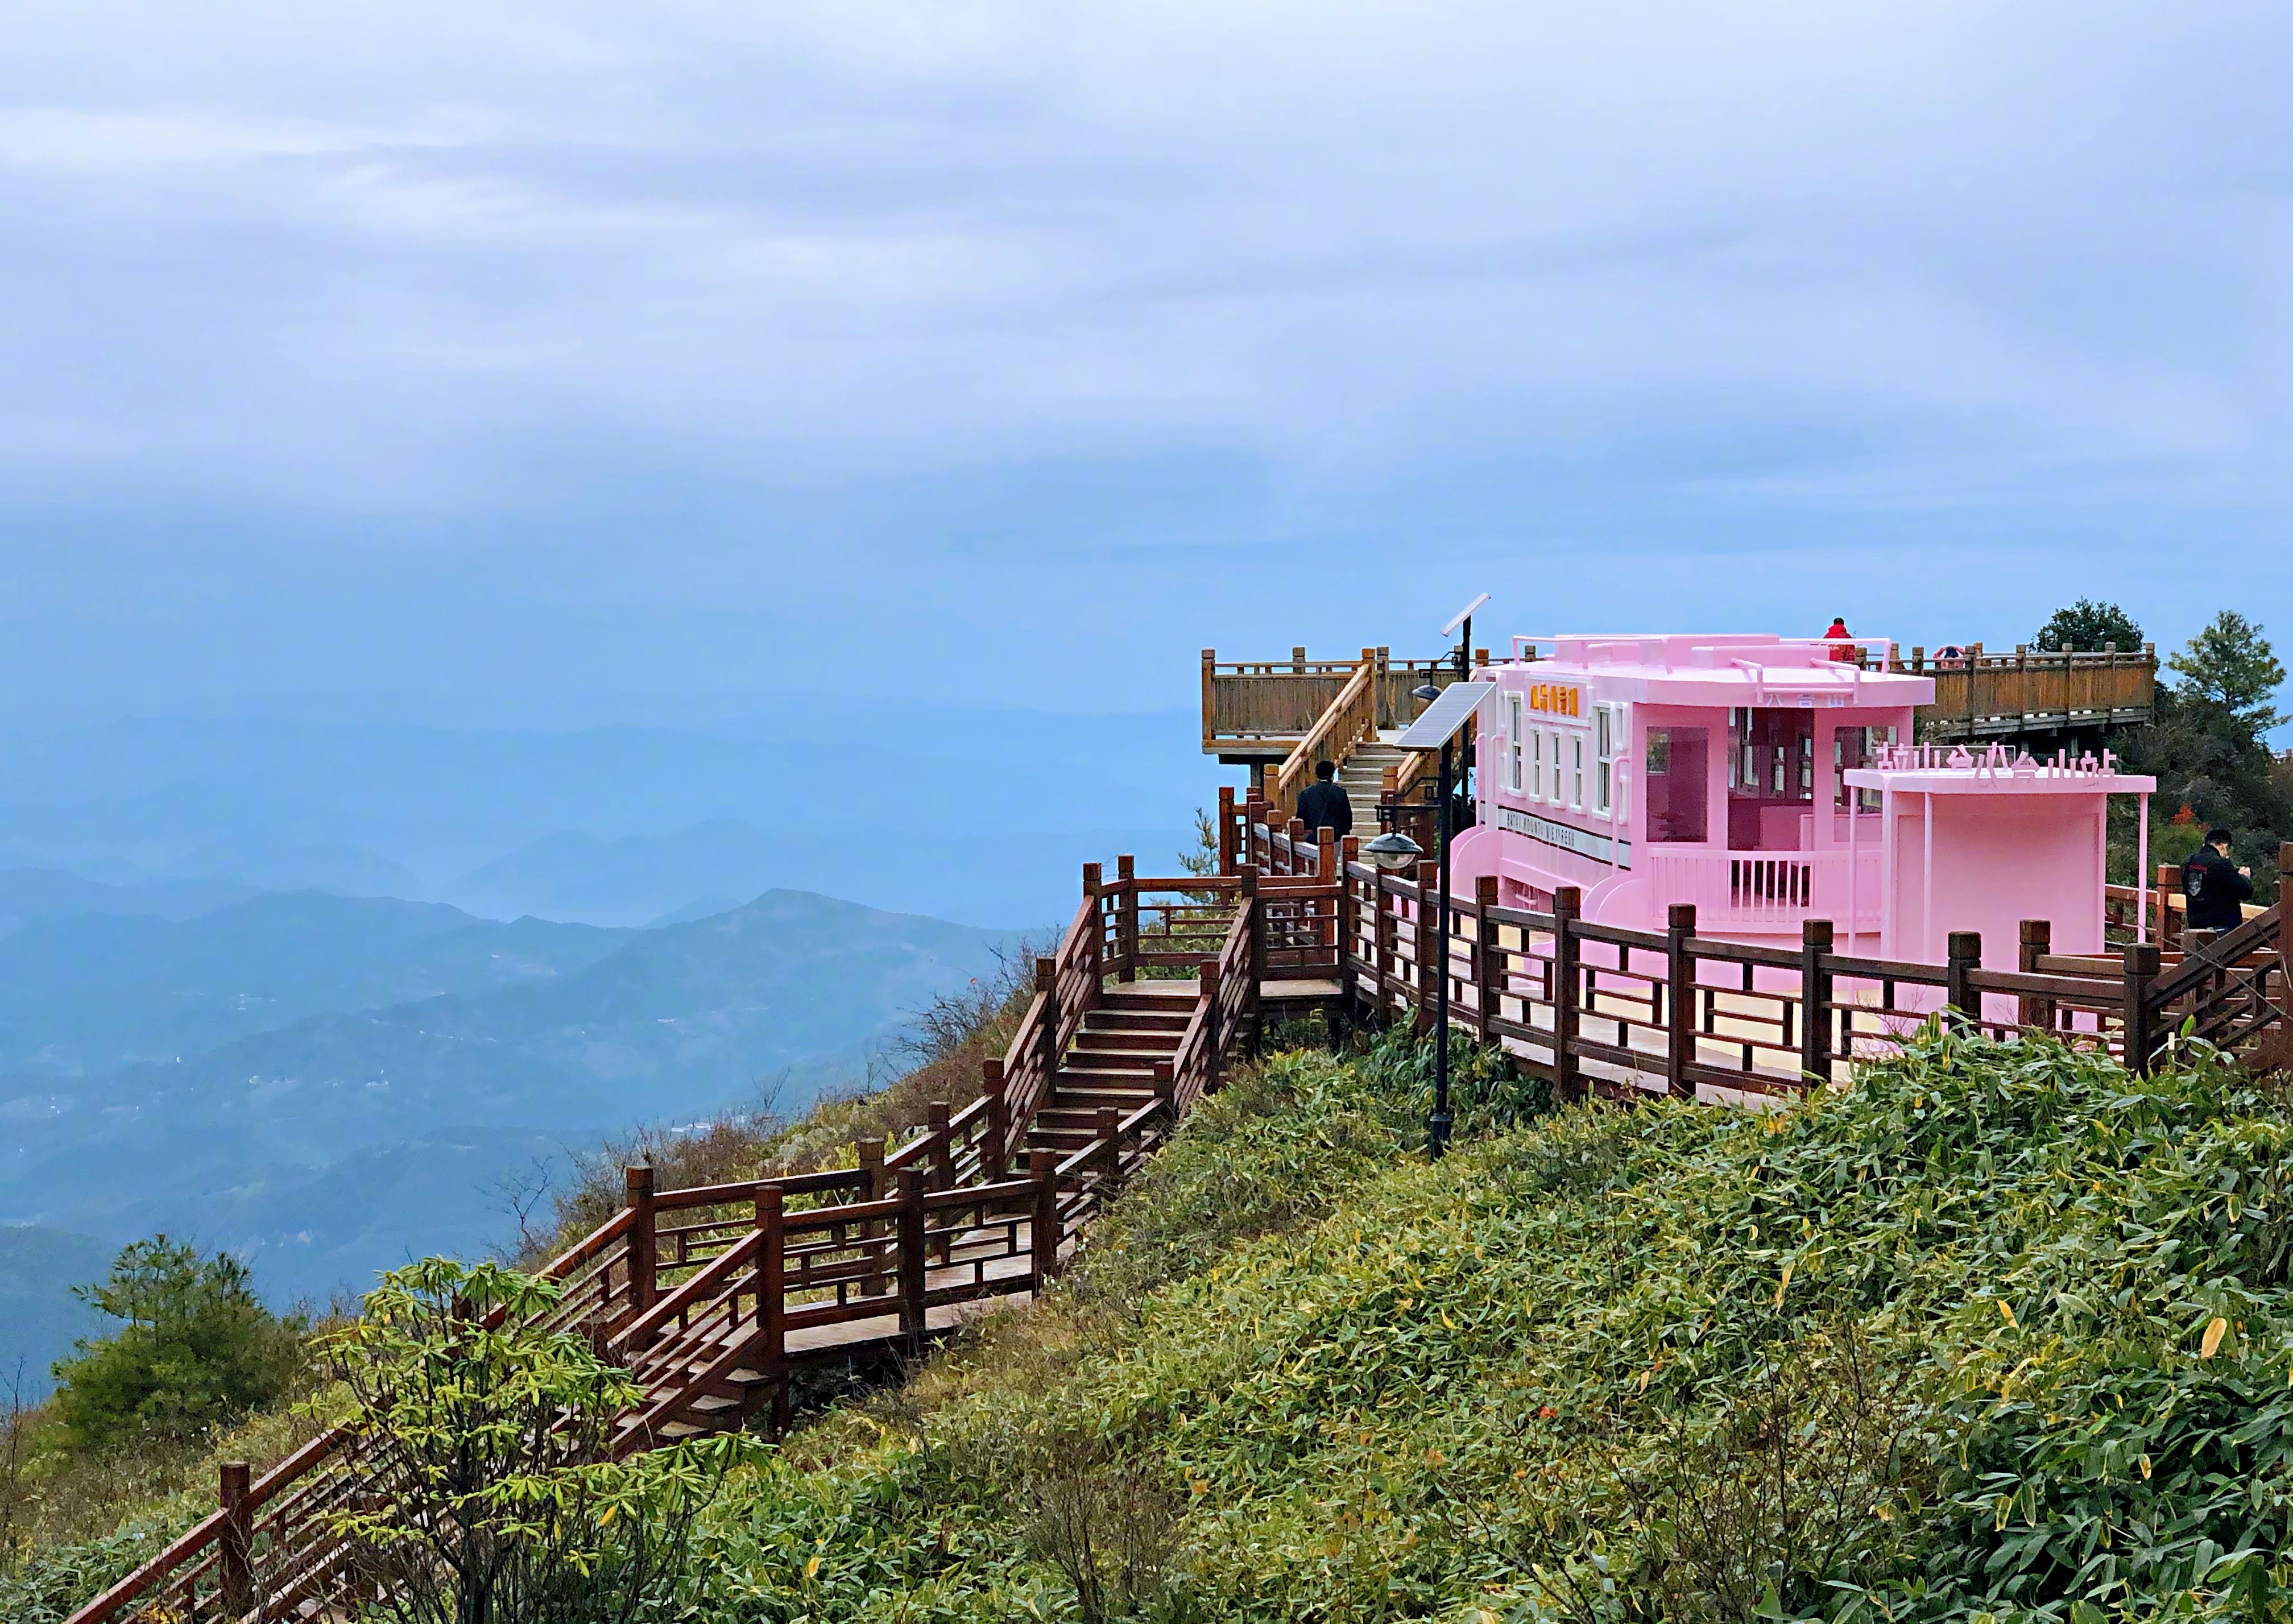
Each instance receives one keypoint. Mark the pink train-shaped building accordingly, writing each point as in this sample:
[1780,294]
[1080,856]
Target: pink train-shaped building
[1770,782]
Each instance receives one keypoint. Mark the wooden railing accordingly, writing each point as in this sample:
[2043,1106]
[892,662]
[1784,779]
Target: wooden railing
[1349,721]
[716,1290]
[1600,1009]
[1979,694]
[1261,708]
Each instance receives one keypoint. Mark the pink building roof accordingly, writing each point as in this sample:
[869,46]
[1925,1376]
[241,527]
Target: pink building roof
[1727,670]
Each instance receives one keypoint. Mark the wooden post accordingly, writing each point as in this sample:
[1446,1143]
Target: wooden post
[644,1268]
[1213,1042]
[1488,975]
[1046,1040]
[1963,952]
[1126,928]
[2140,1035]
[1253,903]
[1166,1093]
[2037,937]
[1094,888]
[1815,1000]
[2168,879]
[913,1220]
[872,1233]
[1109,1123]
[1043,1227]
[1325,853]
[995,1153]
[940,1173]
[1680,1012]
[1296,831]
[1349,918]
[1226,828]
[235,1548]
[772,1299]
[1384,931]
[1567,902]
[1429,943]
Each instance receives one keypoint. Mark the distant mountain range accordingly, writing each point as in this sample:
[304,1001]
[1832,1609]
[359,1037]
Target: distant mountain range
[310,991]
[95,992]
[329,1086]
[981,816]
[642,879]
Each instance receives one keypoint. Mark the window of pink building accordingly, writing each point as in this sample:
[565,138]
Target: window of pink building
[1771,779]
[1678,785]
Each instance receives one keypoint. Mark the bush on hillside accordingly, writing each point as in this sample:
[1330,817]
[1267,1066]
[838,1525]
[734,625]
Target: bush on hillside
[2002,1333]
[197,1349]
[496,1436]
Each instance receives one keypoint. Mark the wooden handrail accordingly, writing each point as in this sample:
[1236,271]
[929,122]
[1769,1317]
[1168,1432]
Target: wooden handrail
[1350,717]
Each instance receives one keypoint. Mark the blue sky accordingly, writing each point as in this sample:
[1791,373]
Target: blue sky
[562,362]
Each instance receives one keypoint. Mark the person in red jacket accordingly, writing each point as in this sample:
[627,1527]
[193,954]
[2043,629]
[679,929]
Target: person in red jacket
[1837,633]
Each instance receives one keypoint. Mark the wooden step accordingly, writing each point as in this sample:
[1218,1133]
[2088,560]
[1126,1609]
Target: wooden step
[1151,997]
[1157,1043]
[1082,1095]
[1137,1078]
[1120,1057]
[1086,1116]
[1138,1020]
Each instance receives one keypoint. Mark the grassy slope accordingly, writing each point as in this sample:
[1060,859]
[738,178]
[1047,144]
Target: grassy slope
[2001,1328]
[2016,1325]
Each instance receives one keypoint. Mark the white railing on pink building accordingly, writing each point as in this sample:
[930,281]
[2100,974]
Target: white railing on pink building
[1766,890]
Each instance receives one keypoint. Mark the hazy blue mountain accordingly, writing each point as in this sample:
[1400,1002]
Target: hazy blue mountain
[39,1317]
[92,993]
[978,815]
[639,879]
[344,1142]
[294,865]
[27,894]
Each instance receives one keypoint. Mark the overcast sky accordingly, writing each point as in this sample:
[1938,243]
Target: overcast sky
[561,362]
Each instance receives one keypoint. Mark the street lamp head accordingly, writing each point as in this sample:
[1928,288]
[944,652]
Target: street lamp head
[1393,852]
[1425,692]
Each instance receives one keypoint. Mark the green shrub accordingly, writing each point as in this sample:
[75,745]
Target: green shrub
[505,1507]
[49,1586]
[197,1349]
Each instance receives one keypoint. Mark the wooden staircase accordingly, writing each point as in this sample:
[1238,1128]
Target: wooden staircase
[1111,1064]
[1362,776]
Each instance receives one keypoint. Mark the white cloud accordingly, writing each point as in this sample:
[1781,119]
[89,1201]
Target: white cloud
[1323,269]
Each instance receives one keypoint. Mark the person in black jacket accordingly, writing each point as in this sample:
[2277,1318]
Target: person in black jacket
[1323,804]
[2213,888]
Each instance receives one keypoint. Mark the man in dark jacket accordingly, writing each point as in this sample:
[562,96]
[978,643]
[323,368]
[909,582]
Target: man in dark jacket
[2213,888]
[1323,804]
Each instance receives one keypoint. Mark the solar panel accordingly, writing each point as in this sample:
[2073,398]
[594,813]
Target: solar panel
[1444,717]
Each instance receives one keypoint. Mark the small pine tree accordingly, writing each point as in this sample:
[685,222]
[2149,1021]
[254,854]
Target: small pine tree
[2088,626]
[198,1349]
[2231,663]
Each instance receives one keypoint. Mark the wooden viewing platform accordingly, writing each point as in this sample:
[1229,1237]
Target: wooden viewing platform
[712,1296]
[1279,716]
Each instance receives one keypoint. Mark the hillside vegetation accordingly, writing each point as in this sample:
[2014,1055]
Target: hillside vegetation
[2003,1332]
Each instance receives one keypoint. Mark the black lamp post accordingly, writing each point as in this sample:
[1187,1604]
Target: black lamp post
[1436,1126]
